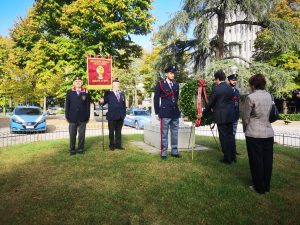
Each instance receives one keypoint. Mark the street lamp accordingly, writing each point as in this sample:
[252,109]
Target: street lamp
[234,69]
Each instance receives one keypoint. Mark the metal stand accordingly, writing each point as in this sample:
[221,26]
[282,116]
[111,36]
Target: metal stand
[211,128]
[193,125]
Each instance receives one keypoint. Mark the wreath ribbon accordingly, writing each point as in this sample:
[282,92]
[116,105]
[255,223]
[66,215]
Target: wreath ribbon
[201,89]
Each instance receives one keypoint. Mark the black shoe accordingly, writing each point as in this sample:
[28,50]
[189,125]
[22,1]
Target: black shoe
[237,153]
[163,157]
[176,156]
[111,148]
[121,148]
[80,151]
[72,153]
[225,162]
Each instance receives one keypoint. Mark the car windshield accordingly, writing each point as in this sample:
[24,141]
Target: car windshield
[141,113]
[28,111]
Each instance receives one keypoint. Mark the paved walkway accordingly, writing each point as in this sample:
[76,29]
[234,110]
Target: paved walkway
[151,149]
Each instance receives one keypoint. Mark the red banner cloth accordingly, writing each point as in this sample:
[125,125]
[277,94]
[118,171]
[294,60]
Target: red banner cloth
[201,88]
[99,72]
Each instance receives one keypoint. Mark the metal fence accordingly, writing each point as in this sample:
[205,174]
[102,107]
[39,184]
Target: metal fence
[8,139]
[286,139]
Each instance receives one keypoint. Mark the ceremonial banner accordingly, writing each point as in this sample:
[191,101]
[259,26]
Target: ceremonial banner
[99,71]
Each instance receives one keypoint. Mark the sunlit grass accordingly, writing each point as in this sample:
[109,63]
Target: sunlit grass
[41,184]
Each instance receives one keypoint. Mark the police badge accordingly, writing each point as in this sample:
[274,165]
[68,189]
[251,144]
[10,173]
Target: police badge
[83,97]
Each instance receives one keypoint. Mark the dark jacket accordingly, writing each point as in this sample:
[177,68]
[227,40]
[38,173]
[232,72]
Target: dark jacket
[116,109]
[166,100]
[77,107]
[221,101]
[236,100]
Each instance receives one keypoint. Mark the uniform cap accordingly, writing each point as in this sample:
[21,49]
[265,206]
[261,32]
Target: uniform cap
[232,77]
[77,78]
[116,80]
[171,69]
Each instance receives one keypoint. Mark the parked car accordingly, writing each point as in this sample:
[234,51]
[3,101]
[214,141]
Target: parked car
[136,118]
[55,110]
[98,111]
[27,119]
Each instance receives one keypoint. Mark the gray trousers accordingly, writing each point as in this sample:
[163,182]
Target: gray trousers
[73,127]
[165,123]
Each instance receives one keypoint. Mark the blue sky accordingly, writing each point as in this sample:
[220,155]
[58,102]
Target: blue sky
[11,10]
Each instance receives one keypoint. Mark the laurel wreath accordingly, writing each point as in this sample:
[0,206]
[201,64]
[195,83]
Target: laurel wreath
[188,103]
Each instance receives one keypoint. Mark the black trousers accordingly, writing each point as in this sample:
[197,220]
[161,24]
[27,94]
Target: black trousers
[260,153]
[115,128]
[73,127]
[227,141]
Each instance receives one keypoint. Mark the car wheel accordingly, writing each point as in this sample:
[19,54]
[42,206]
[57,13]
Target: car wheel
[136,125]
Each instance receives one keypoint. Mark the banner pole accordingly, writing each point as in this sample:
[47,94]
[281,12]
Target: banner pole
[102,128]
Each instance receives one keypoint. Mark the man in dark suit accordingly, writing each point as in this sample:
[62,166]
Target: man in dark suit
[166,107]
[115,114]
[221,102]
[77,112]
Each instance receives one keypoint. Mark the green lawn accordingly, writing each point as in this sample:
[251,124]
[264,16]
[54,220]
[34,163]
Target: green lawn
[41,184]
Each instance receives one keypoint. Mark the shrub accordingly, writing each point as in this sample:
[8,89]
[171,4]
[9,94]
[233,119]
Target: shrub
[291,117]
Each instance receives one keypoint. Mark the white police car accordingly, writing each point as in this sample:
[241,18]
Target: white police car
[27,119]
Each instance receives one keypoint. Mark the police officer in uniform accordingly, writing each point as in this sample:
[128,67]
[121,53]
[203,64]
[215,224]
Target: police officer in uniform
[115,114]
[77,112]
[232,80]
[166,107]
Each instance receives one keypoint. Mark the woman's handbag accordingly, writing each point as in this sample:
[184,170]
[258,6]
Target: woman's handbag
[274,113]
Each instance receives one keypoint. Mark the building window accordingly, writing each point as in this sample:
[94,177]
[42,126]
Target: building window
[250,46]
[245,46]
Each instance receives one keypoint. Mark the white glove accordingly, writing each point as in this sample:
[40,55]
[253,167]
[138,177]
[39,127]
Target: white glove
[157,117]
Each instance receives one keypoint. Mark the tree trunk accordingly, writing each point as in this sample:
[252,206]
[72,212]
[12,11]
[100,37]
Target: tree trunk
[220,33]
[92,108]
[284,106]
[10,102]
[45,104]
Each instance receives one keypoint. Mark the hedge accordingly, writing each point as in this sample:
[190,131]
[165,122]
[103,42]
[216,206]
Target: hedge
[291,117]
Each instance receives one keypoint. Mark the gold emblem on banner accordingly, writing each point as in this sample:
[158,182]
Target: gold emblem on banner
[100,71]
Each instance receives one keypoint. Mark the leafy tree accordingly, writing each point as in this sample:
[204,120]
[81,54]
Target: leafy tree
[170,54]
[149,70]
[52,41]
[98,24]
[198,13]
[5,47]
[285,56]
[268,47]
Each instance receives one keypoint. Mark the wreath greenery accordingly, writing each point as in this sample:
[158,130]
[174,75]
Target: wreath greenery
[187,102]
